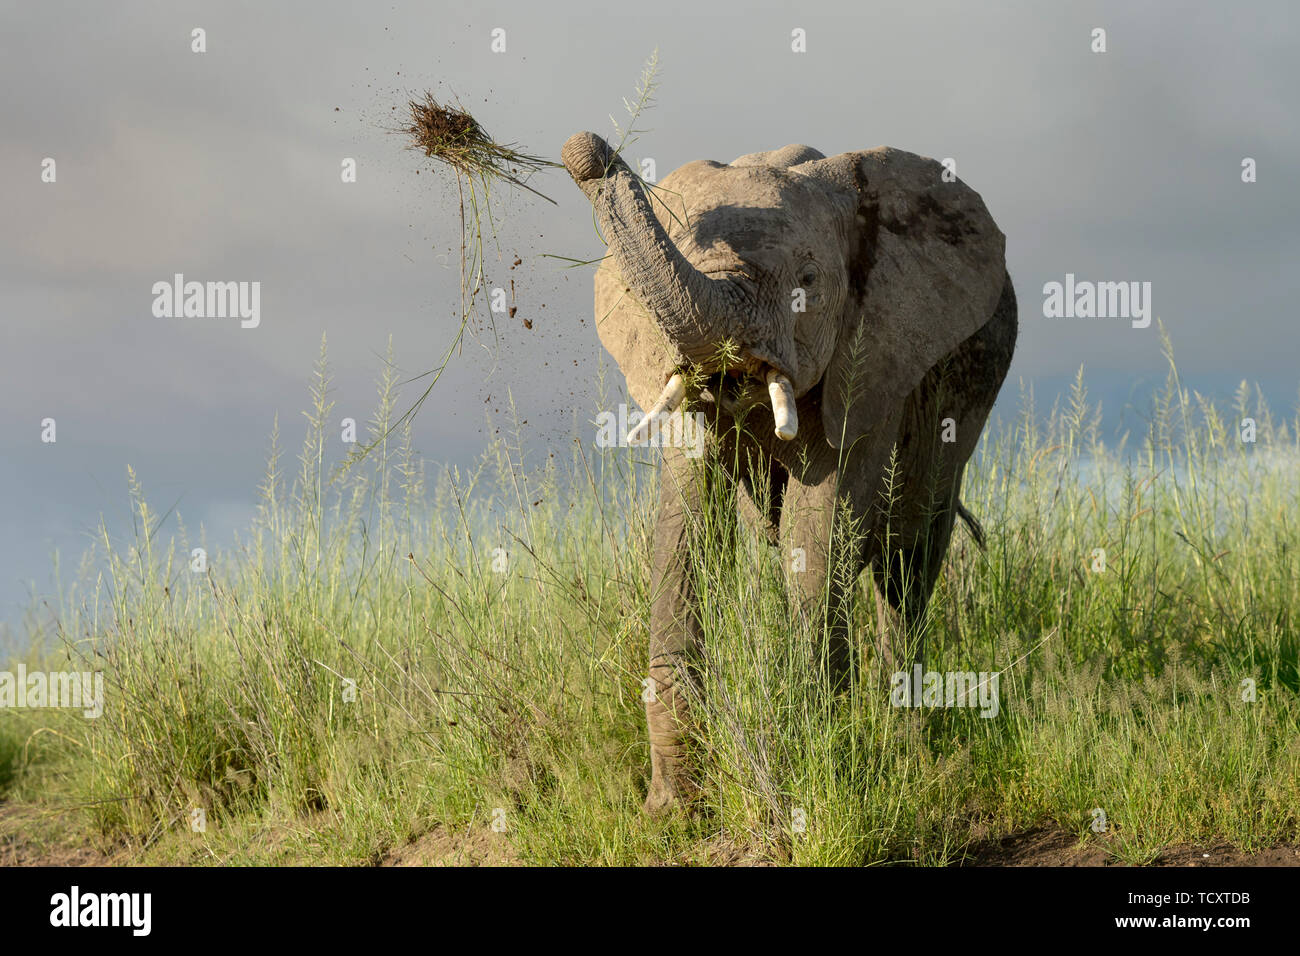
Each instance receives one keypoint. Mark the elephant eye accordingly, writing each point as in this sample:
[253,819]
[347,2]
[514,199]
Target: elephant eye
[808,276]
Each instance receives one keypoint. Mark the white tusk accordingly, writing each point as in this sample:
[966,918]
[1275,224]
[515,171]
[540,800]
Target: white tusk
[783,411]
[669,399]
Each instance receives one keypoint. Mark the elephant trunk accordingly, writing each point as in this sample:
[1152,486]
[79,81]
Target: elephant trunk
[694,311]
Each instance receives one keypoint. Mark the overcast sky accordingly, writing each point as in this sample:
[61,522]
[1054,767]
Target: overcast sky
[225,165]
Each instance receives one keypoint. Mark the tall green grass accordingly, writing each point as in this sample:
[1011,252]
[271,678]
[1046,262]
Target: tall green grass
[494,624]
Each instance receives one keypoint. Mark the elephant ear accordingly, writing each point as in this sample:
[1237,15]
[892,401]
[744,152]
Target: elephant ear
[926,269]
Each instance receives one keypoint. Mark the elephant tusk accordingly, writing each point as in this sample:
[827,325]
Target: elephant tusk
[783,411]
[667,403]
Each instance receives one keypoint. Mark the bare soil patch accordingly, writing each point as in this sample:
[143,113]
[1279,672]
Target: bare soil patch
[441,846]
[30,836]
[1050,846]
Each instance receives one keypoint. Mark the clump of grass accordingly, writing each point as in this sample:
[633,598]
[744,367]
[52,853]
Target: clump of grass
[450,134]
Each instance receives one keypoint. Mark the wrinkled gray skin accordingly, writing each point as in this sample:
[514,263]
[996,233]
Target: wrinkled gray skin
[910,319]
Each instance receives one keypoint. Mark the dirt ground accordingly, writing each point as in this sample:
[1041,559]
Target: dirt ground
[1046,846]
[444,847]
[32,837]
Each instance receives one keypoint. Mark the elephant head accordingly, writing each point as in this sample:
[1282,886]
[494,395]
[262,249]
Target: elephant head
[854,274]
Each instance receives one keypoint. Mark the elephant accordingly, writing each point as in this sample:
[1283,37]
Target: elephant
[862,301]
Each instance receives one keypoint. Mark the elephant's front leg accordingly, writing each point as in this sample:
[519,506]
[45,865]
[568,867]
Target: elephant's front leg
[905,572]
[823,552]
[674,627]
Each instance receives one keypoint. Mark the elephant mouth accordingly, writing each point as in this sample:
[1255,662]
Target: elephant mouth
[734,390]
[736,393]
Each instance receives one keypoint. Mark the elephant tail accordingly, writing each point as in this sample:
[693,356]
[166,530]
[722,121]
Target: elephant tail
[972,523]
